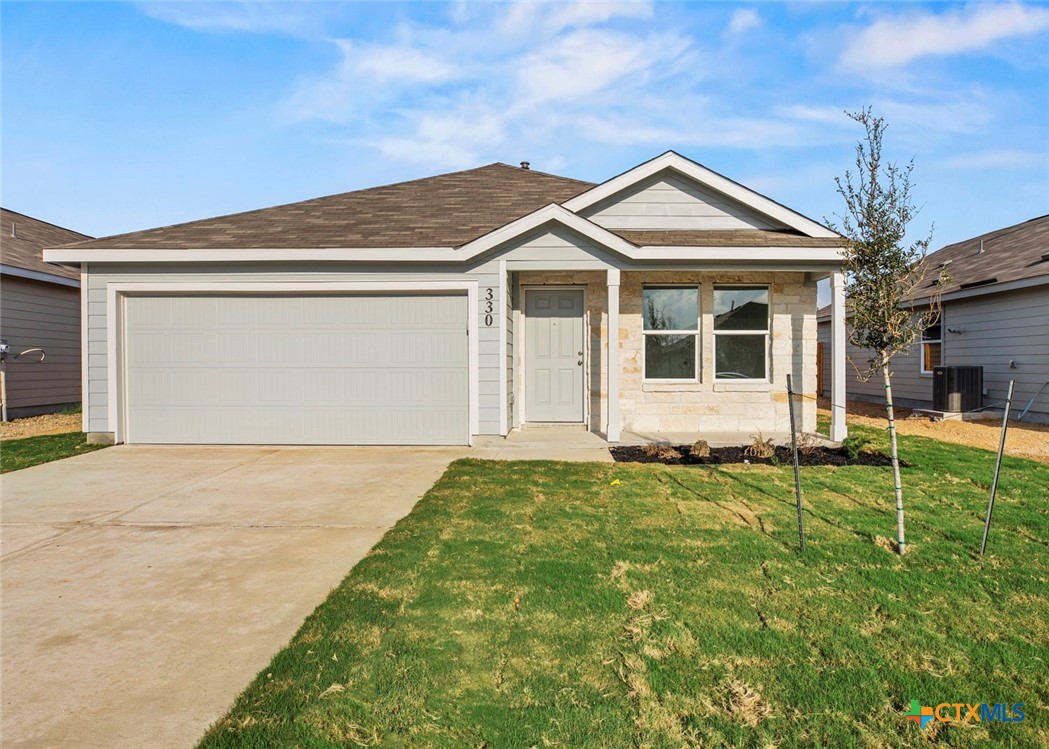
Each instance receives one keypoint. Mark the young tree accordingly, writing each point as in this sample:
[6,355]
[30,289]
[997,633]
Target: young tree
[883,275]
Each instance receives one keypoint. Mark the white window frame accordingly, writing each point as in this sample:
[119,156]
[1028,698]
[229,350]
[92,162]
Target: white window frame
[767,333]
[695,333]
[921,347]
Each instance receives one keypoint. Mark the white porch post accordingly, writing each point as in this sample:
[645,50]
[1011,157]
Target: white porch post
[612,431]
[838,430]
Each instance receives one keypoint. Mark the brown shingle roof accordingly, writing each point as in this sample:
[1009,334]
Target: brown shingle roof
[1010,254]
[31,236]
[726,238]
[443,211]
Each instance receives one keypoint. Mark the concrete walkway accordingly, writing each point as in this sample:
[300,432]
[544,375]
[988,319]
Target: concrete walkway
[144,587]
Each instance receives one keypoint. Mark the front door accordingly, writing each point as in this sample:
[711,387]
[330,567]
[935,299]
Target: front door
[554,355]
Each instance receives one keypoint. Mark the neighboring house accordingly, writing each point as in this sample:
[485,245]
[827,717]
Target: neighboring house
[995,315]
[39,308]
[432,311]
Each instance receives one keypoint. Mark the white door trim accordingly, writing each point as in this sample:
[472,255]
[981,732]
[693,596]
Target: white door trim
[116,324]
[525,288]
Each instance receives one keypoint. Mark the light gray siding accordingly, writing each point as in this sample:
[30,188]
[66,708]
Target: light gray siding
[994,329]
[666,201]
[491,361]
[45,315]
[910,387]
[997,329]
[508,311]
[549,249]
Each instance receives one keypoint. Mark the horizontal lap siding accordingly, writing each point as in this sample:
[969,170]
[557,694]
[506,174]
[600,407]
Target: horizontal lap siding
[667,202]
[47,316]
[508,311]
[998,329]
[995,330]
[491,363]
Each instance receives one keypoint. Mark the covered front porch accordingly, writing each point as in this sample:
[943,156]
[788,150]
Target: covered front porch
[581,352]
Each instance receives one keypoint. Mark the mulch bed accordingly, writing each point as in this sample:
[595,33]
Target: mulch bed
[678,455]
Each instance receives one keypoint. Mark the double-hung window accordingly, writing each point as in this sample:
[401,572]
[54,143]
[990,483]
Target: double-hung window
[932,347]
[671,333]
[741,333]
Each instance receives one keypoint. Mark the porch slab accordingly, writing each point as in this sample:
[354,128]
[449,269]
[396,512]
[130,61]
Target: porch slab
[573,443]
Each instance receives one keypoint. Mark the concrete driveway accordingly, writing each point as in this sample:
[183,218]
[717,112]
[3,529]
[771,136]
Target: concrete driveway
[143,587]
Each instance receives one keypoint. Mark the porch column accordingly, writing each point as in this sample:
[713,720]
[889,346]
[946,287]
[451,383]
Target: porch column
[838,430]
[612,396]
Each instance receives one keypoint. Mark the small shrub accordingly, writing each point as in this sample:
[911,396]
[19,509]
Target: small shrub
[808,444]
[760,448]
[661,452]
[699,449]
[853,446]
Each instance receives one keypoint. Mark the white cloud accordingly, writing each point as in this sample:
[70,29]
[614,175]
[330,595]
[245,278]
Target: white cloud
[528,17]
[693,128]
[823,115]
[587,62]
[896,41]
[963,112]
[742,21]
[367,74]
[448,140]
[579,14]
[1003,158]
[246,16]
[398,63]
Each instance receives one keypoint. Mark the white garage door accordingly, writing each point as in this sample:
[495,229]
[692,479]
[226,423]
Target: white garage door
[353,370]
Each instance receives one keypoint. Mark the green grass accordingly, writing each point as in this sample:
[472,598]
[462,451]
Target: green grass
[31,451]
[583,605]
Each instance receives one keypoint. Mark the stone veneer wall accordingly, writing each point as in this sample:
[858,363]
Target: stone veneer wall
[722,406]
[706,406]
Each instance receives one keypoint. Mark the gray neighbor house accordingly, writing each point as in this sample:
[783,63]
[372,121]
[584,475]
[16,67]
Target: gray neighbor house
[39,308]
[666,299]
[995,315]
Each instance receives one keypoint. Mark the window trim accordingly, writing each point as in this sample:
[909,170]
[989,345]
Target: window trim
[921,347]
[697,334]
[767,333]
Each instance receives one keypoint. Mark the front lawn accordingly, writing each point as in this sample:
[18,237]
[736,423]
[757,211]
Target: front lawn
[31,451]
[592,605]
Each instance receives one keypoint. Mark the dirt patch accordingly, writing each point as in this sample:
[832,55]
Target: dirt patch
[682,455]
[36,426]
[1023,440]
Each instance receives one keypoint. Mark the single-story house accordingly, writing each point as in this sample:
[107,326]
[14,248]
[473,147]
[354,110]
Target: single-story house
[995,315]
[667,298]
[39,308]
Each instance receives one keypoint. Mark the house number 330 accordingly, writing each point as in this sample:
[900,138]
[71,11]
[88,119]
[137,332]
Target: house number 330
[489,307]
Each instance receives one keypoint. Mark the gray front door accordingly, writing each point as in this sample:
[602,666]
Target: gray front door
[554,355]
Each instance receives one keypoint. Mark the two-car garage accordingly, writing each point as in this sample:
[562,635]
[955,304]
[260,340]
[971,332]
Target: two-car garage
[320,368]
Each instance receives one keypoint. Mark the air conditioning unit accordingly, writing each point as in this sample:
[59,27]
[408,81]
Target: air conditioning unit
[957,389]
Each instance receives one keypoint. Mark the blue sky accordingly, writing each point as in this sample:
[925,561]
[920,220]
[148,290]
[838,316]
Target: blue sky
[122,116]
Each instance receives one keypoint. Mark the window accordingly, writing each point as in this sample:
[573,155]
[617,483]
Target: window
[741,332]
[932,347]
[671,332]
